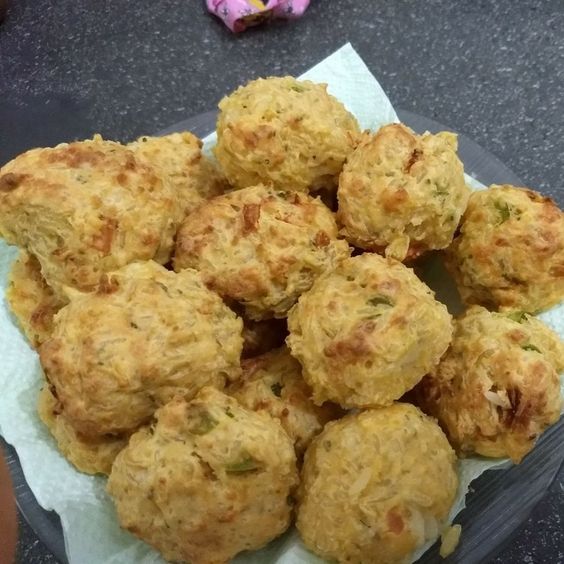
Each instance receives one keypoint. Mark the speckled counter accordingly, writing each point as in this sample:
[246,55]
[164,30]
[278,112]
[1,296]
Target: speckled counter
[492,70]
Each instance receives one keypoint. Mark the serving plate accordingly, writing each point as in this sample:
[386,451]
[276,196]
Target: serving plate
[499,501]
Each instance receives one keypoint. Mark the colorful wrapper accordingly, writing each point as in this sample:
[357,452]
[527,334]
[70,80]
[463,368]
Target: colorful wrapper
[240,14]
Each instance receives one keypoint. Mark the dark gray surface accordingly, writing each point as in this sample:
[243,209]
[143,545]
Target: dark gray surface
[493,70]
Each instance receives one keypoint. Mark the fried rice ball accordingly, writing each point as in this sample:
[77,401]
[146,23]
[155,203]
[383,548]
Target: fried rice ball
[402,194]
[286,132]
[509,254]
[86,208]
[376,486]
[210,480]
[260,247]
[91,456]
[497,388]
[31,299]
[273,383]
[178,157]
[367,332]
[147,335]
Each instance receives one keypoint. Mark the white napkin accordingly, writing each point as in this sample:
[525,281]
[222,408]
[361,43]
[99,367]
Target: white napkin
[92,533]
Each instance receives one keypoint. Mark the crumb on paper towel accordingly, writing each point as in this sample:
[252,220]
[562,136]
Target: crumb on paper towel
[449,540]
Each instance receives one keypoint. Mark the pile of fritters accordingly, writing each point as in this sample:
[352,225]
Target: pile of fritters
[242,340]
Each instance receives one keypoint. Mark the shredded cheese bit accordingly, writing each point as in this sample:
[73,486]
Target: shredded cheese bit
[449,540]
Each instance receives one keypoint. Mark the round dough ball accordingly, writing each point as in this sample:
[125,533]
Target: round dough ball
[31,299]
[273,383]
[86,208]
[178,157]
[260,247]
[91,456]
[497,388]
[510,250]
[147,335]
[210,480]
[402,194]
[367,332]
[284,131]
[376,486]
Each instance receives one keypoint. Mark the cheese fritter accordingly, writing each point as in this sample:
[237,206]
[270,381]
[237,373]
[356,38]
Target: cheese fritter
[509,254]
[497,388]
[86,208]
[32,301]
[367,332]
[376,486]
[260,246]
[209,480]
[147,335]
[273,383]
[286,132]
[178,157]
[91,456]
[402,194]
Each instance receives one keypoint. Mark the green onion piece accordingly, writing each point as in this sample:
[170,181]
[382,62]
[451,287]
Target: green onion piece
[204,425]
[530,348]
[503,210]
[380,300]
[518,316]
[246,464]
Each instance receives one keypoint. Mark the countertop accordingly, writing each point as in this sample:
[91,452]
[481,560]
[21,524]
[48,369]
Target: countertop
[491,70]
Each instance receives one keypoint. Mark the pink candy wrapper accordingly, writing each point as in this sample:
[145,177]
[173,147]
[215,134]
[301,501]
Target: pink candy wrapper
[240,14]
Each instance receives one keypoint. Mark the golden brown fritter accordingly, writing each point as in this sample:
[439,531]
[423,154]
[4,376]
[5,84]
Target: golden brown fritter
[147,335]
[273,383]
[286,132]
[367,332]
[376,486]
[260,247]
[86,208]
[31,299]
[210,480]
[92,456]
[402,194]
[510,250]
[497,388]
[178,157]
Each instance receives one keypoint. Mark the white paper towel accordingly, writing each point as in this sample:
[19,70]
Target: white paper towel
[92,533]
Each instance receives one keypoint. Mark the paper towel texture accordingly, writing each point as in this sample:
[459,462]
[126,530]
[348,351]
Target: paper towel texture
[92,533]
